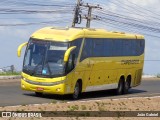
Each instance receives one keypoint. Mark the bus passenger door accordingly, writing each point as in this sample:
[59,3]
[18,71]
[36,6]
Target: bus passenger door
[73,72]
[88,77]
[89,73]
[86,63]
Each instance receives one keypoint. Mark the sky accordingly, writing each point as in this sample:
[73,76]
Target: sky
[14,28]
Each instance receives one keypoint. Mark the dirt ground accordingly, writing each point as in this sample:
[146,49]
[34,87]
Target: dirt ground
[123,104]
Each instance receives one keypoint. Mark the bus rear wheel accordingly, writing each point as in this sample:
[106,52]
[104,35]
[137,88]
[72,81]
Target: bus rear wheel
[126,87]
[119,90]
[76,93]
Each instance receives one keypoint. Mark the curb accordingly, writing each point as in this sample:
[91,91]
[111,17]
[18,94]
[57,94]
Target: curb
[114,99]
[9,77]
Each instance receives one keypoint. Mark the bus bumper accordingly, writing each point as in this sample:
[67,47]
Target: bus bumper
[55,89]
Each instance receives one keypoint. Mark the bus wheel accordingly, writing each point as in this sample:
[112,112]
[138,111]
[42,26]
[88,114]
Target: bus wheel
[126,87]
[119,90]
[76,91]
[38,94]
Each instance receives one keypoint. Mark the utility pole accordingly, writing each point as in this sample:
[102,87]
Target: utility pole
[76,14]
[89,16]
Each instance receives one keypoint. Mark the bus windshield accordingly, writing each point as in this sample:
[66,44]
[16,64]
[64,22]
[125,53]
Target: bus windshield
[45,58]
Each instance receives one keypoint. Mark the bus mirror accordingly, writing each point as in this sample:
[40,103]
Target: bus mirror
[67,53]
[20,49]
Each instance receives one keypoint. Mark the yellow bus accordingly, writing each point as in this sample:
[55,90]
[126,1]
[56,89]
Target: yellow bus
[76,60]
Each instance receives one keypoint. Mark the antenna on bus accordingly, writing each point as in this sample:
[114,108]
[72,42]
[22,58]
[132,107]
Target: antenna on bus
[78,17]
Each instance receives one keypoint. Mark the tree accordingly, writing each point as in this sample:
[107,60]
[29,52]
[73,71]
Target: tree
[12,68]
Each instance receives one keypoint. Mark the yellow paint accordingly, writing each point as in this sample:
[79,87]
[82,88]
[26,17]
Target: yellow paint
[20,49]
[70,34]
[67,53]
[57,89]
[92,71]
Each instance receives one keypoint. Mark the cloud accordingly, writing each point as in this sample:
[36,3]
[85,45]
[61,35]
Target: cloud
[145,3]
[11,37]
[143,10]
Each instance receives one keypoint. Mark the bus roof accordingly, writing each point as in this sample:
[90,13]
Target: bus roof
[70,34]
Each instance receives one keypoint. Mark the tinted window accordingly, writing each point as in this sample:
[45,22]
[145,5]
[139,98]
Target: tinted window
[73,55]
[98,48]
[133,47]
[142,46]
[112,48]
[117,47]
[127,46]
[87,49]
[108,48]
[78,44]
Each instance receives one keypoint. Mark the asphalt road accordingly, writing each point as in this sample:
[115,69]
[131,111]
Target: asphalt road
[11,94]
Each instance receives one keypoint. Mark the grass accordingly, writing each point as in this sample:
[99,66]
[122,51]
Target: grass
[73,108]
[83,107]
[10,74]
[54,101]
[100,108]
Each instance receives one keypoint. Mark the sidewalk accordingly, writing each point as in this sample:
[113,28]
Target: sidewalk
[4,80]
[9,77]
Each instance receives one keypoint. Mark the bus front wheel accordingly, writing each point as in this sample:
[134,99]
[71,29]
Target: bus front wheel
[120,88]
[76,93]
[38,94]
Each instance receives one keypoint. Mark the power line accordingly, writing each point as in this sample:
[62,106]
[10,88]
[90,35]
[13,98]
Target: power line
[24,11]
[130,10]
[132,22]
[78,13]
[83,11]
[35,23]
[89,17]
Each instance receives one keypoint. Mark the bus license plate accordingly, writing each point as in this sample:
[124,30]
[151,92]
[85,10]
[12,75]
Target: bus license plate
[40,89]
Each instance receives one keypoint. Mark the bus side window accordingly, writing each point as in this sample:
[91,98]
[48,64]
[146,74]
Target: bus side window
[142,45]
[126,48]
[108,47]
[71,62]
[73,55]
[98,47]
[87,49]
[76,43]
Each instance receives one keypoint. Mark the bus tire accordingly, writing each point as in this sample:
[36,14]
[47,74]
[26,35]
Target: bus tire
[119,90]
[127,85]
[76,92]
[38,94]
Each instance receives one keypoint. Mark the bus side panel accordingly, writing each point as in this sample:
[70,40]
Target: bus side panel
[138,77]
